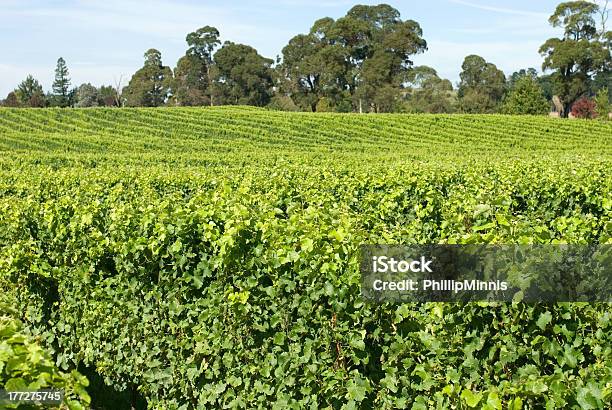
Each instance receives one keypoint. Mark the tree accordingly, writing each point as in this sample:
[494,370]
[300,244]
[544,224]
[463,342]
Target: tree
[602,104]
[604,14]
[194,71]
[584,108]
[107,96]
[428,93]
[30,93]
[577,56]
[150,86]
[313,66]
[546,82]
[362,58]
[517,75]
[61,85]
[482,85]
[382,54]
[191,82]
[243,76]
[11,100]
[118,91]
[87,96]
[282,103]
[526,98]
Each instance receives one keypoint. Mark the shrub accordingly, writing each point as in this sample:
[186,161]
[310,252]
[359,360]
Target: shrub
[526,98]
[282,103]
[26,366]
[602,104]
[584,108]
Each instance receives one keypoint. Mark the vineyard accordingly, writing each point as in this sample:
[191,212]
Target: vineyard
[208,257]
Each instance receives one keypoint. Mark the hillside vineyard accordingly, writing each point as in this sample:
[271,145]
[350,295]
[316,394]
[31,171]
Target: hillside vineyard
[207,257]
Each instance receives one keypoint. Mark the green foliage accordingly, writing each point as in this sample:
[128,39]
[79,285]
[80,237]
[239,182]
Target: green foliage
[26,366]
[203,42]
[193,75]
[30,93]
[149,86]
[482,86]
[365,54]
[577,56]
[243,77]
[526,98]
[87,96]
[428,93]
[107,96]
[602,104]
[576,19]
[209,256]
[11,100]
[191,83]
[61,96]
[282,103]
[522,73]
[325,105]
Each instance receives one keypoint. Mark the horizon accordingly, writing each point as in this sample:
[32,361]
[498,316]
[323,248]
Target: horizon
[103,42]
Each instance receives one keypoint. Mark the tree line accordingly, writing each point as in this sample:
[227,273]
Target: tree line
[361,62]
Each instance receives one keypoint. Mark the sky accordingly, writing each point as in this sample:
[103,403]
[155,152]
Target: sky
[103,41]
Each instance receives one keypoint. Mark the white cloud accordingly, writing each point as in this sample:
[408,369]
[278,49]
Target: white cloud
[112,35]
[159,18]
[104,39]
[165,19]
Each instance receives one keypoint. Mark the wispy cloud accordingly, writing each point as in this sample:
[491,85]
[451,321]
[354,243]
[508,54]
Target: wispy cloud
[104,39]
[496,9]
[167,19]
[110,36]
[159,18]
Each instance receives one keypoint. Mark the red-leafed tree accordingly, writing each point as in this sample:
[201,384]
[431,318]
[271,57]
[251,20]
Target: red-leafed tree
[584,108]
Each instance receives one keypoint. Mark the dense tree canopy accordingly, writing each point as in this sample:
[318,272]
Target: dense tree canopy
[360,62]
[517,75]
[87,96]
[579,55]
[30,93]
[361,59]
[150,85]
[11,100]
[526,98]
[428,93]
[313,67]
[108,96]
[242,75]
[482,85]
[602,103]
[191,83]
[193,75]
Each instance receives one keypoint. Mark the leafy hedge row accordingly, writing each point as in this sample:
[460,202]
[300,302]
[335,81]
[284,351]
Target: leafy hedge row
[26,366]
[211,288]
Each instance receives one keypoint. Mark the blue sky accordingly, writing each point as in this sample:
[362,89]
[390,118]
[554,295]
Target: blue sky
[104,40]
